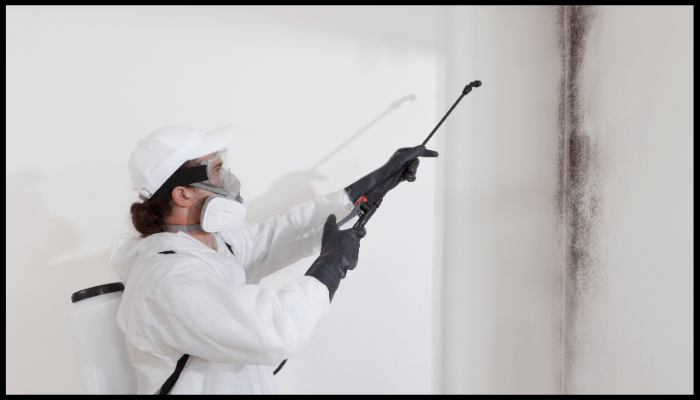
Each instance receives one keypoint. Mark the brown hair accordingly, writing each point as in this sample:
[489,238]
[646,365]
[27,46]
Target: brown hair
[149,218]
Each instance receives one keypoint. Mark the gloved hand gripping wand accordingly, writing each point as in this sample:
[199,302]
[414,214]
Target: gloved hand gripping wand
[365,210]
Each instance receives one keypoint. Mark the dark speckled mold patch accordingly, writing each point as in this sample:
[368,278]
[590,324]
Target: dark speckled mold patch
[578,198]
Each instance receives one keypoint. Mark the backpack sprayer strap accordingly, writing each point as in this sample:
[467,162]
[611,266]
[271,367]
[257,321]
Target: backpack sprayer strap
[170,382]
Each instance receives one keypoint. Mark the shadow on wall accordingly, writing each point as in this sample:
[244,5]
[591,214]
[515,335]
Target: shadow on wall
[33,235]
[41,331]
[296,187]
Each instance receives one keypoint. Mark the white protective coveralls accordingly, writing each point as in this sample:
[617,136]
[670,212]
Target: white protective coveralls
[209,304]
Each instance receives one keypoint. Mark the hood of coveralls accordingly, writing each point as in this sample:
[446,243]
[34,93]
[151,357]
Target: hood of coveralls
[128,250]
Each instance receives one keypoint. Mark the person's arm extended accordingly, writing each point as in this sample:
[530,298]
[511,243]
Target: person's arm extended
[283,240]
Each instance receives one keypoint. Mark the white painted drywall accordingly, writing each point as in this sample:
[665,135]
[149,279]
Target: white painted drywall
[502,248]
[84,83]
[635,335]
[504,240]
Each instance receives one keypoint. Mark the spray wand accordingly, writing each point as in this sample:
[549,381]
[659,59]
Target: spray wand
[365,210]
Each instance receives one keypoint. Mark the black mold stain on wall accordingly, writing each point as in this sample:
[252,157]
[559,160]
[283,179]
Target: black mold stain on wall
[560,196]
[578,197]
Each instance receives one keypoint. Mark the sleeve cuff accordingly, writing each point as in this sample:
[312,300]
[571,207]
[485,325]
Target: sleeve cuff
[345,200]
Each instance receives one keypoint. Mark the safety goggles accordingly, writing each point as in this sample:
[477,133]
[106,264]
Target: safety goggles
[218,172]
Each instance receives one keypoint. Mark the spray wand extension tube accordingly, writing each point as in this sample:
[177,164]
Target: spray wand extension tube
[465,92]
[365,210]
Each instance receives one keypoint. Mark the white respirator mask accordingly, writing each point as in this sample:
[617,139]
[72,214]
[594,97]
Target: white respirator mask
[221,211]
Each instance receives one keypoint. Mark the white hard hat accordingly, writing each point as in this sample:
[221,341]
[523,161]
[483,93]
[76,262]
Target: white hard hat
[162,152]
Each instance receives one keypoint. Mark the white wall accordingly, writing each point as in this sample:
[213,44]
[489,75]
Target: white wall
[84,83]
[502,247]
[568,202]
[631,302]
[568,192]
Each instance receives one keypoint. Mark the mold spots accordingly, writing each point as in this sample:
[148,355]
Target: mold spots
[582,157]
[578,199]
[560,195]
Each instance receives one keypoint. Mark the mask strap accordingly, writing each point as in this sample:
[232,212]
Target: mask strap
[210,188]
[181,178]
[183,228]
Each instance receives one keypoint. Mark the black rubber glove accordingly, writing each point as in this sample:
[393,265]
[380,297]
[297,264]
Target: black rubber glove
[339,251]
[402,166]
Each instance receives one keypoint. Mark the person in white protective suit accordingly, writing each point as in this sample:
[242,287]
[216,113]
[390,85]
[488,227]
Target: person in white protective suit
[193,313]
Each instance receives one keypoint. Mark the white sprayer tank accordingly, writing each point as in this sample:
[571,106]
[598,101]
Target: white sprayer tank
[100,346]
